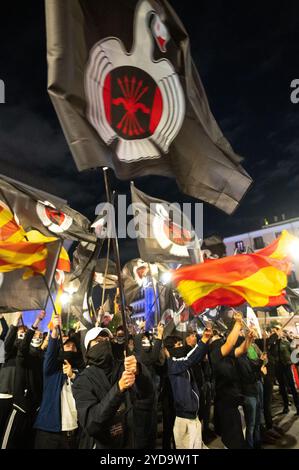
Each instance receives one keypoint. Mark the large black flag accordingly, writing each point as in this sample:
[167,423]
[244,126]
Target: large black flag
[80,282]
[164,233]
[129,97]
[36,210]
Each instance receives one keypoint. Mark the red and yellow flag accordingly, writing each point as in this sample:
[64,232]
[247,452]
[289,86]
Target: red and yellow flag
[258,278]
[10,231]
[20,249]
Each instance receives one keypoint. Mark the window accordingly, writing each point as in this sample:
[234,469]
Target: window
[240,246]
[258,243]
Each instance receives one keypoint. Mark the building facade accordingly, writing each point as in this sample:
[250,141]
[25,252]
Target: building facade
[258,239]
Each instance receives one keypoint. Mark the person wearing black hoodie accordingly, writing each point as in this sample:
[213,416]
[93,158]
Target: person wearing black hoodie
[228,393]
[148,350]
[28,387]
[7,372]
[106,393]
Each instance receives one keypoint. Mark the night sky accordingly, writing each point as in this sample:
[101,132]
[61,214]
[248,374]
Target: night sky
[247,54]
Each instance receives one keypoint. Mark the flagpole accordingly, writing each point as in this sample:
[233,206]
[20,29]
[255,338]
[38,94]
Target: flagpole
[54,308]
[155,293]
[117,258]
[54,267]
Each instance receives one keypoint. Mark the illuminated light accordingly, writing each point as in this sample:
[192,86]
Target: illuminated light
[65,299]
[166,278]
[293,250]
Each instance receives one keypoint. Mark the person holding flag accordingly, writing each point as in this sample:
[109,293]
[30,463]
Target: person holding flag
[56,422]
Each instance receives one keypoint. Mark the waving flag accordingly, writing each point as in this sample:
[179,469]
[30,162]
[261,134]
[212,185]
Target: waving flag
[10,231]
[22,255]
[164,233]
[36,210]
[128,96]
[258,278]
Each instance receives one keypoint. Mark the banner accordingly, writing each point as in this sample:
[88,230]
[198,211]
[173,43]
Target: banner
[164,233]
[128,97]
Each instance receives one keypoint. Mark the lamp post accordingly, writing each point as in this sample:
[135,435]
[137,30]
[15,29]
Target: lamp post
[66,302]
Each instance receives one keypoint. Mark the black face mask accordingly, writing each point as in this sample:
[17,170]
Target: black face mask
[101,356]
[178,353]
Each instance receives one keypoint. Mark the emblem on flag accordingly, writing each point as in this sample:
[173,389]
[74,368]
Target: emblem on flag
[55,220]
[132,99]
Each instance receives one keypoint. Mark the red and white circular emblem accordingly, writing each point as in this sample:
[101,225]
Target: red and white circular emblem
[170,235]
[55,220]
[133,100]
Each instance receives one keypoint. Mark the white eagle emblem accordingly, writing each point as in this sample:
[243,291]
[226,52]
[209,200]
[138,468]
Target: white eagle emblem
[132,100]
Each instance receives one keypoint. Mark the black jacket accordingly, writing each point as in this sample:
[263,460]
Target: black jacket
[8,370]
[28,385]
[184,387]
[103,411]
[249,371]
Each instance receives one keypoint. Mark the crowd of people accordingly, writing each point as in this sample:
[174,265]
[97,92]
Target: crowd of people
[89,388]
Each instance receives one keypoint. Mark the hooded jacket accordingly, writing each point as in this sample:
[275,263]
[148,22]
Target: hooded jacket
[184,387]
[103,409]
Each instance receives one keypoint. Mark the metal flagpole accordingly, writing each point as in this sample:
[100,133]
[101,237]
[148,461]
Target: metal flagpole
[155,293]
[54,308]
[117,258]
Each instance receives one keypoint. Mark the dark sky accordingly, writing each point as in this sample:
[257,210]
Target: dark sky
[247,54]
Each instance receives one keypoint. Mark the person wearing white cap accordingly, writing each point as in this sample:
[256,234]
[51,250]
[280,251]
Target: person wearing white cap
[99,392]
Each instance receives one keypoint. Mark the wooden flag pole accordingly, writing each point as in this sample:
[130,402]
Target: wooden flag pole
[117,259]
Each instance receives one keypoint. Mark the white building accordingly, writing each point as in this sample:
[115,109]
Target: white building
[258,239]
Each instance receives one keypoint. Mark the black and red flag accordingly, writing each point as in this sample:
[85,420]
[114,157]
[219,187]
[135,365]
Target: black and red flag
[129,97]
[35,210]
[164,233]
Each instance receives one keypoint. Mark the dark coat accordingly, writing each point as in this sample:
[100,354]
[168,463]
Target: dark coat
[184,387]
[103,411]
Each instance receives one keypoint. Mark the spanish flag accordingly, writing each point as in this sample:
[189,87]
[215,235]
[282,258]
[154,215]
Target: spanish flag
[259,278]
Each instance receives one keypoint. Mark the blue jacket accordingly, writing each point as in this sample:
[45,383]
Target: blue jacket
[49,415]
[184,388]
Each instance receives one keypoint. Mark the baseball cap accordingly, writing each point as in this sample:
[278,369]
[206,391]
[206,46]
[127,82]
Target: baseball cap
[94,333]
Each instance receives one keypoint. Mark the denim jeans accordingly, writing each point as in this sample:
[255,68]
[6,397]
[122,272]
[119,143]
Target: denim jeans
[252,411]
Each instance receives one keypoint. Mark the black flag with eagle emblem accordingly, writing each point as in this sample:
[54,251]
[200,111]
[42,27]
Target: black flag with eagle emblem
[164,233]
[36,210]
[129,97]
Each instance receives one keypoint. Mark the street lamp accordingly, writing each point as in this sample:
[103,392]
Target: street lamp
[166,278]
[65,300]
[293,250]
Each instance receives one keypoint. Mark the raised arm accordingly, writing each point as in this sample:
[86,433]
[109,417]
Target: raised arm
[232,338]
[4,327]
[177,366]
[243,348]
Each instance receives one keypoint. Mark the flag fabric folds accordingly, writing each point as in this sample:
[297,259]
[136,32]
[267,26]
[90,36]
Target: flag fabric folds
[259,278]
[10,231]
[22,256]
[128,96]
[164,233]
[28,251]
[36,210]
